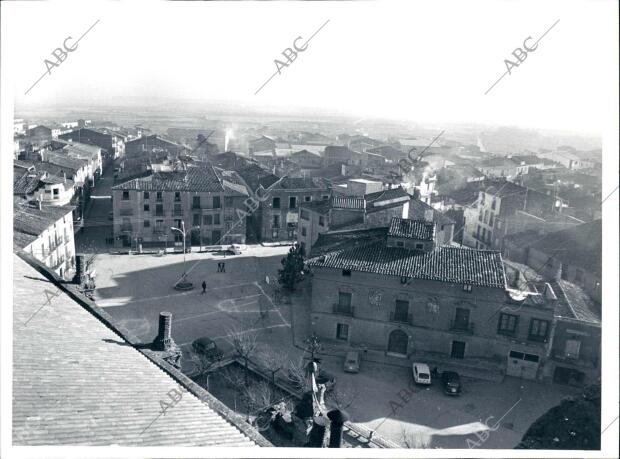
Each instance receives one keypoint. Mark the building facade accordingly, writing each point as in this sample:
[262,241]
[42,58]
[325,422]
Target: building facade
[46,232]
[441,304]
[207,200]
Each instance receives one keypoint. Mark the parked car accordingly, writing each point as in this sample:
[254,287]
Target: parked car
[235,249]
[207,347]
[451,382]
[352,362]
[421,373]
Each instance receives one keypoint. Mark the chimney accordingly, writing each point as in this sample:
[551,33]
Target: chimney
[39,203]
[64,177]
[164,341]
[337,418]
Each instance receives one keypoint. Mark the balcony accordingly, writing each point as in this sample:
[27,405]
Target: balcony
[343,310]
[460,326]
[401,318]
[60,262]
[126,211]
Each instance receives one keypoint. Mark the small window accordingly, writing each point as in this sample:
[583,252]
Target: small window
[228,201]
[507,324]
[303,231]
[467,288]
[325,197]
[276,222]
[321,220]
[207,220]
[342,332]
[196,220]
[216,202]
[147,208]
[304,214]
[125,195]
[346,272]
[404,279]
[177,196]
[292,202]
[196,202]
[275,203]
[307,198]
[400,244]
[146,195]
[216,219]
[147,223]
[419,246]
[539,330]
[160,196]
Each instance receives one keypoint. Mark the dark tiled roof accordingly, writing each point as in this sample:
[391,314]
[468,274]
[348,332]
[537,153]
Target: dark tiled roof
[153,137]
[78,382]
[445,263]
[302,183]
[32,221]
[412,229]
[201,179]
[24,182]
[574,303]
[255,176]
[347,239]
[580,245]
[65,161]
[347,202]
[321,207]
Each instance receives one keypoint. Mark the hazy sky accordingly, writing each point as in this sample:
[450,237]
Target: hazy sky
[426,61]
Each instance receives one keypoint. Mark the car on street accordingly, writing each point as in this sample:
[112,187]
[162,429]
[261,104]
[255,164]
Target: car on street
[234,249]
[421,373]
[352,362]
[207,347]
[451,382]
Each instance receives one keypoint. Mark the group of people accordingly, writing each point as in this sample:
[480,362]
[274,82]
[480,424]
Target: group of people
[221,268]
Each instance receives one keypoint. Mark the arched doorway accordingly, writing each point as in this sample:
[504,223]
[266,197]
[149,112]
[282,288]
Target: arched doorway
[398,342]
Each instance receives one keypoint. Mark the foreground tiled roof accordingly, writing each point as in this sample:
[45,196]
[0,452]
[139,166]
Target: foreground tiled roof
[412,229]
[77,382]
[346,239]
[25,182]
[445,263]
[201,179]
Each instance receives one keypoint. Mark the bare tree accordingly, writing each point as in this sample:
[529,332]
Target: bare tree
[298,376]
[258,397]
[244,342]
[273,360]
[235,379]
[313,345]
[414,439]
[204,363]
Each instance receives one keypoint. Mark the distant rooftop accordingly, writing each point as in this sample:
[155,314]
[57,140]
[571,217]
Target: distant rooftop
[412,229]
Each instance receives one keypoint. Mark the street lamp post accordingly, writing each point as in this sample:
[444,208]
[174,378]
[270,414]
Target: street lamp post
[182,231]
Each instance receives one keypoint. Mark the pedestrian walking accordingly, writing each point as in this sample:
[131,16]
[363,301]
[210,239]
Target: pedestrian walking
[223,267]
[219,266]
[204,287]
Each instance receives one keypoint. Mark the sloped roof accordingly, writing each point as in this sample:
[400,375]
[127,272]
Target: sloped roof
[412,229]
[302,183]
[255,176]
[445,263]
[331,241]
[78,382]
[199,179]
[580,245]
[418,207]
[65,161]
[25,182]
[574,303]
[32,221]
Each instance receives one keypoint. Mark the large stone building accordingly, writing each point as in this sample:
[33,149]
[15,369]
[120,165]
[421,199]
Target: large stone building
[206,199]
[151,147]
[405,297]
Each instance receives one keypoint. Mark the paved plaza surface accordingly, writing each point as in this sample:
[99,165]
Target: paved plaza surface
[136,288]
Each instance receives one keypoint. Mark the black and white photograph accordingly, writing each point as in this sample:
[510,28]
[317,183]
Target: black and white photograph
[255,229]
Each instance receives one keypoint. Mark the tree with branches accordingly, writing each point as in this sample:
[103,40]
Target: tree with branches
[313,345]
[235,379]
[244,342]
[273,360]
[340,398]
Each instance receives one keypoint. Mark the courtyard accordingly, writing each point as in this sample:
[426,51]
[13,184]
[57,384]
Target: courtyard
[134,289]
